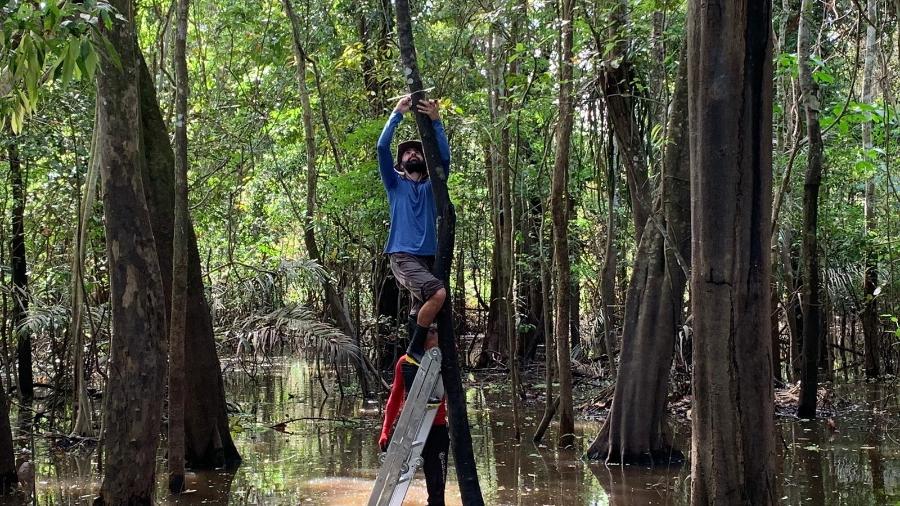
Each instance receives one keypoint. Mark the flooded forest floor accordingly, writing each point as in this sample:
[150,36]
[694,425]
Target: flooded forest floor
[301,446]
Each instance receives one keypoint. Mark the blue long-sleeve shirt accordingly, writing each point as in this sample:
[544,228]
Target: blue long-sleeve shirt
[411,202]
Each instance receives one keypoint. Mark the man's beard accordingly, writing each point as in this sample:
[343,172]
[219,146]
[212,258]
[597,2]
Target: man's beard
[415,166]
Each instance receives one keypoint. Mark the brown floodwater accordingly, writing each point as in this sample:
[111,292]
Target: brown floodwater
[328,455]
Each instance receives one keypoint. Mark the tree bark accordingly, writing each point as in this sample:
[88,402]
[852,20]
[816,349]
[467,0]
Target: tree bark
[870,282]
[208,442]
[179,260]
[460,436]
[812,304]
[617,82]
[730,104]
[134,392]
[8,477]
[634,431]
[559,209]
[19,269]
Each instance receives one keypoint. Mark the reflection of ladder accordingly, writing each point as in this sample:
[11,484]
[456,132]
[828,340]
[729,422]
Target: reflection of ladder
[404,455]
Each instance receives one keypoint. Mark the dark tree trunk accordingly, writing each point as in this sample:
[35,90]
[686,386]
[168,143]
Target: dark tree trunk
[460,436]
[812,303]
[19,274]
[387,309]
[208,442]
[617,82]
[8,476]
[178,313]
[134,391]
[634,431]
[730,103]
[559,209]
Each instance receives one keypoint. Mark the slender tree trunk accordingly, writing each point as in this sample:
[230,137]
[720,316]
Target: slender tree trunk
[730,104]
[179,259]
[83,425]
[617,80]
[134,392]
[559,209]
[460,436]
[8,476]
[608,274]
[550,406]
[507,235]
[870,282]
[208,442]
[812,304]
[338,311]
[19,274]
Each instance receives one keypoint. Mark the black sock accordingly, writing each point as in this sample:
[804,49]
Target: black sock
[416,348]
[411,324]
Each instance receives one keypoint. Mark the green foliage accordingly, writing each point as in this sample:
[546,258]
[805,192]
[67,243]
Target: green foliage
[46,42]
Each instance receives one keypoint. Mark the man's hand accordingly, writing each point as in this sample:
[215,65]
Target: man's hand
[383,443]
[429,108]
[403,105]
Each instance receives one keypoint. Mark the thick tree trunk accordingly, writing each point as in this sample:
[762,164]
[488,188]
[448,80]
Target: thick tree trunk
[208,442]
[8,476]
[460,435]
[812,303]
[178,313]
[870,282]
[19,274]
[134,392]
[730,103]
[634,431]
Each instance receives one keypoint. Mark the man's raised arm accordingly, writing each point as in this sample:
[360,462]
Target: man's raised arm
[385,157]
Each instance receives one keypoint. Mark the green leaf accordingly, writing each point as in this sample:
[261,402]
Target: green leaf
[70,60]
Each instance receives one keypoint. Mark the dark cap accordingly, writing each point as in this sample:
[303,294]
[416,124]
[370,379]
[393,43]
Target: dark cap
[407,145]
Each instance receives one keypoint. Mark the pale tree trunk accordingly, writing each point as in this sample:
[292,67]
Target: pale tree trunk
[870,282]
[458,418]
[812,303]
[178,313]
[559,209]
[507,236]
[338,311]
[634,431]
[134,391]
[19,270]
[495,345]
[83,425]
[208,442]
[730,104]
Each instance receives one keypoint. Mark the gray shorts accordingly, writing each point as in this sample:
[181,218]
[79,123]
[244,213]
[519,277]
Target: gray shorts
[414,273]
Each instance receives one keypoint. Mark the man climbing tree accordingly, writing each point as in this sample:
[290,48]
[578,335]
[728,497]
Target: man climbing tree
[412,241]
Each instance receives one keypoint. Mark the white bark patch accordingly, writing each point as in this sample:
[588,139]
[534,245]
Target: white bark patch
[131,286]
[407,71]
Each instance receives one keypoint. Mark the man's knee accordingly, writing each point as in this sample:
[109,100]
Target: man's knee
[439,296]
